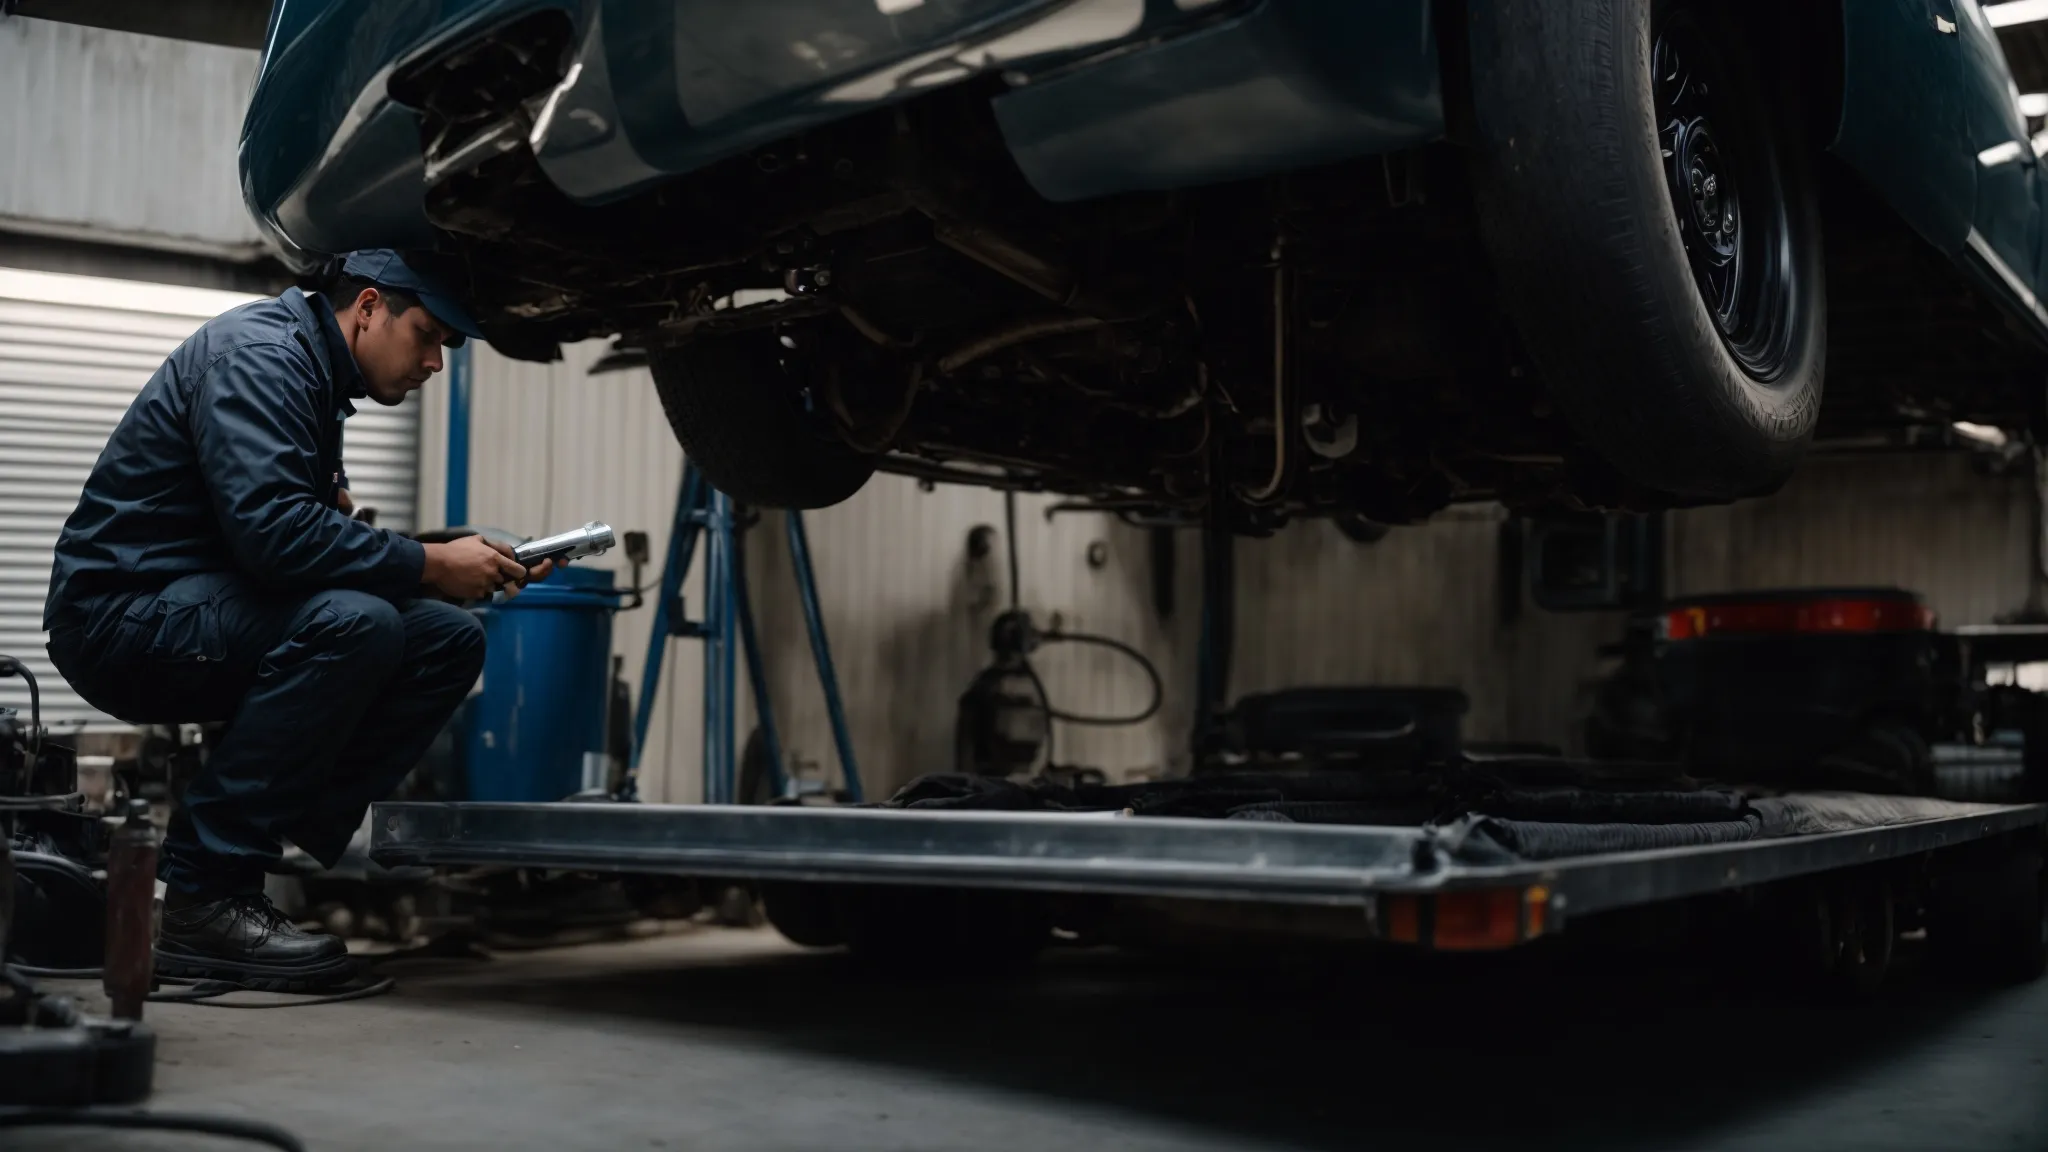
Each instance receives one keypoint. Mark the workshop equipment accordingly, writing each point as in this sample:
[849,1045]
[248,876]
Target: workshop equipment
[58,913]
[1003,721]
[131,906]
[1851,688]
[1005,718]
[1777,680]
[704,511]
[536,729]
[50,1053]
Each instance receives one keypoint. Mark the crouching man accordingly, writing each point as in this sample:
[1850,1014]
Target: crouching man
[213,572]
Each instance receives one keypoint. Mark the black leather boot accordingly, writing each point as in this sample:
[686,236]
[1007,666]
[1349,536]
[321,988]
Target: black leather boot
[245,940]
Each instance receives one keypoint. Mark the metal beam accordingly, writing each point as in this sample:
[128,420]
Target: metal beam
[1108,853]
[1075,852]
[233,23]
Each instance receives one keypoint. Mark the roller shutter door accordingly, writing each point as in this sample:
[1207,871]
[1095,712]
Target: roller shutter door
[74,351]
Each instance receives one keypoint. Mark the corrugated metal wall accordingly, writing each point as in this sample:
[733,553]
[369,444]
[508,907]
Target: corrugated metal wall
[553,447]
[123,133]
[74,351]
[909,613]
[909,610]
[1932,523]
[1421,607]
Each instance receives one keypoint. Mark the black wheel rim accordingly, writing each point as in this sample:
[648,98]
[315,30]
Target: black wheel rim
[1727,193]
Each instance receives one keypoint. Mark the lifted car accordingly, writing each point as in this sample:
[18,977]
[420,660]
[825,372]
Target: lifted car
[1248,258]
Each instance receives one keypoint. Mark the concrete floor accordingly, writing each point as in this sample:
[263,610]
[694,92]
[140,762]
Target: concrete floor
[715,1039]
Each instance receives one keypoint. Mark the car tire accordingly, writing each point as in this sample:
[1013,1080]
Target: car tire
[805,914]
[949,930]
[743,408]
[1613,200]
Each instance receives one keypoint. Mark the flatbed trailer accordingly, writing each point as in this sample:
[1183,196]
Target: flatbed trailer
[1408,884]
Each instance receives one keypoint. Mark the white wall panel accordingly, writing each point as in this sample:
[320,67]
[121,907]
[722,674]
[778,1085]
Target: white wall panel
[126,133]
[1421,607]
[1931,523]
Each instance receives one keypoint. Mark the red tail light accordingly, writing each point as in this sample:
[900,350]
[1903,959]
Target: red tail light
[1798,617]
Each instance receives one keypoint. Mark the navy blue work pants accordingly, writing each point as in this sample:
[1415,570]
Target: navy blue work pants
[330,698]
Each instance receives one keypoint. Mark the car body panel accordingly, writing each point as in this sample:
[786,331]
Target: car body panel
[329,162]
[1930,118]
[1289,84]
[1104,96]
[656,91]
[587,150]
[2008,206]
[1247,87]
[696,81]
[1905,124]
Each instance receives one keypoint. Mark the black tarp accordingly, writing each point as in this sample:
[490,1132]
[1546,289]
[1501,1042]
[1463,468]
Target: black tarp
[1490,811]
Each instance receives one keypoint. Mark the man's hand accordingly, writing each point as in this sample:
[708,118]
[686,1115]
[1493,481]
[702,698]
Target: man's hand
[537,572]
[471,568]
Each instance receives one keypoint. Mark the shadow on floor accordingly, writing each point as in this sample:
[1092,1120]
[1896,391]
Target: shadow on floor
[1382,1052]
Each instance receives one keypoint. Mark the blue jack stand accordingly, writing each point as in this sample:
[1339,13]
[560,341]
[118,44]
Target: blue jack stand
[703,509]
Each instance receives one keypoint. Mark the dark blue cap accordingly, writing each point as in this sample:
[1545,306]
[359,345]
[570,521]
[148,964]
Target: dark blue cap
[382,267]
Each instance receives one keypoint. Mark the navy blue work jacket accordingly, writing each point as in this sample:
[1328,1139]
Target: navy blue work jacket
[230,460]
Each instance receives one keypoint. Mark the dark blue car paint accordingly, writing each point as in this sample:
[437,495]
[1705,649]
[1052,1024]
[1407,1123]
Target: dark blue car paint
[1289,84]
[1907,138]
[657,90]
[329,162]
[2007,213]
[761,79]
[1211,92]
[1929,118]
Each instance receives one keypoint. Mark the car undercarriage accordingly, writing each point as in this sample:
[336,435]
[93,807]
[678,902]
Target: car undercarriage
[1327,342]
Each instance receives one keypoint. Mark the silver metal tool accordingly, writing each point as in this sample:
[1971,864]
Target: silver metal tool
[593,539]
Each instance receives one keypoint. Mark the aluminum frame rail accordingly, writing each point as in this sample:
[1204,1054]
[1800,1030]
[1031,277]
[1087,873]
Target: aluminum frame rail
[1111,854]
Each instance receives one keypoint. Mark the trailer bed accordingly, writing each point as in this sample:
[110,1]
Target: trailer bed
[1105,853]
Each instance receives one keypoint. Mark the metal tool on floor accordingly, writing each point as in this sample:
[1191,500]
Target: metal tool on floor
[702,510]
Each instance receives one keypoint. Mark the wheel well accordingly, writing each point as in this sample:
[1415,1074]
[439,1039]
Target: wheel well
[1807,44]
[1804,42]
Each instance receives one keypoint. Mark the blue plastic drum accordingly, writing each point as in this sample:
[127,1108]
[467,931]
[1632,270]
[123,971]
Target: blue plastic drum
[535,731]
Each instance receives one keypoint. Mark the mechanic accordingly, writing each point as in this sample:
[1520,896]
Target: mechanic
[213,572]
